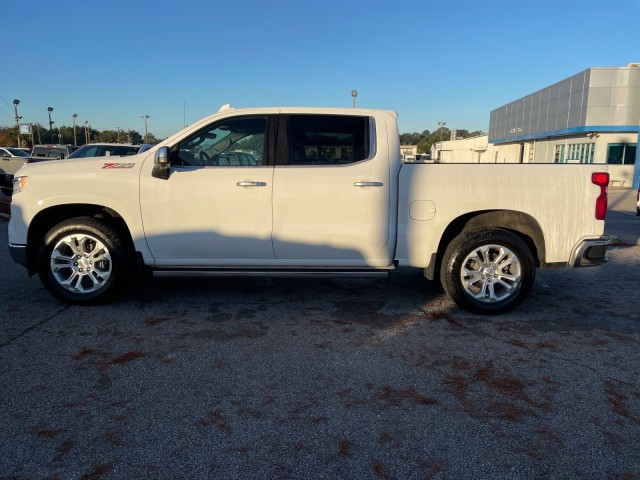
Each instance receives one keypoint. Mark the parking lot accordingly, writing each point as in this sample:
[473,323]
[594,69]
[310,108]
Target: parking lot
[323,378]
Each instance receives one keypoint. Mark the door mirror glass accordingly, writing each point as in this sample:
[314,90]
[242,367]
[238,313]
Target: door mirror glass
[161,164]
[162,157]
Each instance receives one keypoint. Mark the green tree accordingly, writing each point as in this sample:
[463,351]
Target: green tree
[409,138]
[426,139]
[151,138]
[110,136]
[424,145]
[8,137]
[122,136]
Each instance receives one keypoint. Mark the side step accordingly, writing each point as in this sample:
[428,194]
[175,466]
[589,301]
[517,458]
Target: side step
[271,272]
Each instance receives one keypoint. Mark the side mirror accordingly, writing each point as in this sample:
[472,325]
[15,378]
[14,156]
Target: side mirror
[6,155]
[161,164]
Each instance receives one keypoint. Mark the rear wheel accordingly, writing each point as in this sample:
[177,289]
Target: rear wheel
[82,261]
[488,272]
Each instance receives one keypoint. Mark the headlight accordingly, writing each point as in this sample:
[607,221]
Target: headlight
[19,183]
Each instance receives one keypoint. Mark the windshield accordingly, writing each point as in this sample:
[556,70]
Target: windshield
[16,152]
[104,151]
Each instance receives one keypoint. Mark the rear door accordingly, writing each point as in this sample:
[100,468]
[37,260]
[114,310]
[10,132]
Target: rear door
[331,192]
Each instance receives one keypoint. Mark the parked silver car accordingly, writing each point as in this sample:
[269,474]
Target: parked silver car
[52,152]
[11,159]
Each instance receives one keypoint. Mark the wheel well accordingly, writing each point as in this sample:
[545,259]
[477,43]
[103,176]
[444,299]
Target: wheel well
[521,224]
[48,218]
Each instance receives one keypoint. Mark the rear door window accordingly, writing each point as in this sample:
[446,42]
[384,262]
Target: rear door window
[328,139]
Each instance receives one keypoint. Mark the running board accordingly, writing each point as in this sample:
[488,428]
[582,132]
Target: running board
[286,273]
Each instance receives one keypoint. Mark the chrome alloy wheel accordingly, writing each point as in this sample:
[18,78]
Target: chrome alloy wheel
[491,273]
[81,263]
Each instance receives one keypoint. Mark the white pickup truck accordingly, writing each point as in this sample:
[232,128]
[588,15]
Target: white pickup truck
[303,191]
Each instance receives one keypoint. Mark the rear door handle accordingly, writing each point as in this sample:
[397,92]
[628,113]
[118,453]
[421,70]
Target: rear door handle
[368,184]
[250,183]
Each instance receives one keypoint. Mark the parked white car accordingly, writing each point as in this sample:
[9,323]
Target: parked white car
[105,150]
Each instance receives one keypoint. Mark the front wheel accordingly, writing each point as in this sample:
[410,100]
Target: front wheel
[488,272]
[82,261]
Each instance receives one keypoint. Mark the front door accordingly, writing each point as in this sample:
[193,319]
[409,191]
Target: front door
[215,207]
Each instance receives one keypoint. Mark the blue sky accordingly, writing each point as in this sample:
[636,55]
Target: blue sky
[111,62]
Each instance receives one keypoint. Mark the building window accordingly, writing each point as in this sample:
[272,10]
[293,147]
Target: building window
[621,153]
[574,153]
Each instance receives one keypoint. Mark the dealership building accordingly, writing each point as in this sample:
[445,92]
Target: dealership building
[590,117]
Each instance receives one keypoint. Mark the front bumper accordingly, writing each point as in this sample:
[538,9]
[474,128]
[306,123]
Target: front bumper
[19,254]
[590,252]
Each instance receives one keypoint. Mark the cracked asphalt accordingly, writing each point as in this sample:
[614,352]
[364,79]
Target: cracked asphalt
[319,378]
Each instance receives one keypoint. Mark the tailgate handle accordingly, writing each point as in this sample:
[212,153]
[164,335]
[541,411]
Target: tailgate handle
[249,183]
[368,184]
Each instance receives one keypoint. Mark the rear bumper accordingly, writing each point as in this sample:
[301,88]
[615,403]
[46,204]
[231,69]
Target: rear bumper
[590,252]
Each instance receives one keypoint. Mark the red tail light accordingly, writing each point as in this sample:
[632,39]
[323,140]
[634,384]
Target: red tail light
[601,179]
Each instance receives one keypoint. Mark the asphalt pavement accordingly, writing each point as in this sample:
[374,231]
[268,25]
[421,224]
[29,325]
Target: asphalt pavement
[621,220]
[321,378]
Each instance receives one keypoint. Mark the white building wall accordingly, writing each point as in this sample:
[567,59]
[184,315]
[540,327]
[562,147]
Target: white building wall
[474,150]
[478,150]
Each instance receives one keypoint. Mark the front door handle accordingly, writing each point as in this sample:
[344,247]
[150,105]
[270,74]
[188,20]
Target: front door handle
[368,184]
[251,183]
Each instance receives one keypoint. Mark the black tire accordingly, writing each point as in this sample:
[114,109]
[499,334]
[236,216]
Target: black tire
[77,243]
[496,282]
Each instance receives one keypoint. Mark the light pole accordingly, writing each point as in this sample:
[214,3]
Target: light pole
[354,94]
[118,139]
[145,117]
[75,140]
[51,122]
[16,102]
[441,125]
[86,132]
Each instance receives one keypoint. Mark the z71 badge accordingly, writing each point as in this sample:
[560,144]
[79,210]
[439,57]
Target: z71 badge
[118,165]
